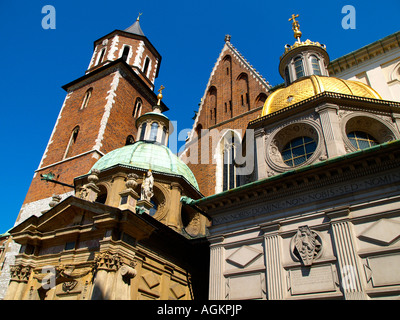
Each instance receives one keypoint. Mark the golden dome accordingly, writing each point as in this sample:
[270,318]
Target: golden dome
[311,86]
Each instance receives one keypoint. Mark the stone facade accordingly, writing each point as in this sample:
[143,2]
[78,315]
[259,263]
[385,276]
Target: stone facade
[81,249]
[311,234]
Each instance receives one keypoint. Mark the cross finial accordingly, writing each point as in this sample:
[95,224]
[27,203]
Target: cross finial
[160,96]
[294,16]
[139,16]
[296,27]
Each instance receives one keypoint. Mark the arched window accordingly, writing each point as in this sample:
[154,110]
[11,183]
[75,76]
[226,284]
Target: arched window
[129,140]
[146,66]
[72,140]
[102,196]
[287,76]
[230,179]
[101,56]
[125,53]
[164,135]
[137,110]
[299,67]
[153,131]
[315,66]
[361,140]
[143,131]
[86,98]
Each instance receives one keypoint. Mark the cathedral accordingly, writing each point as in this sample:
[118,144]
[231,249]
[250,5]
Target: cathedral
[282,193]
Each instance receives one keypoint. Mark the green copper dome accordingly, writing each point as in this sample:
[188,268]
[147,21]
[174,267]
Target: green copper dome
[147,155]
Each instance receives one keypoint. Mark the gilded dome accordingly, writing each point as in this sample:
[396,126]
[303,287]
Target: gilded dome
[310,86]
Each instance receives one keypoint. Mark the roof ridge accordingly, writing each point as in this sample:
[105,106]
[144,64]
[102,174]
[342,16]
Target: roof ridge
[250,66]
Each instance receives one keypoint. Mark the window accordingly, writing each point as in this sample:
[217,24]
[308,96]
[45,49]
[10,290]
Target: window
[230,179]
[164,135]
[153,131]
[146,66]
[287,76]
[101,56]
[299,68]
[102,196]
[298,151]
[315,66]
[125,53]
[72,140]
[143,131]
[129,140]
[361,140]
[86,98]
[137,110]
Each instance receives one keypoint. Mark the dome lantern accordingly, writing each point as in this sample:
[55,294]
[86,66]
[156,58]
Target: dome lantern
[154,126]
[303,58]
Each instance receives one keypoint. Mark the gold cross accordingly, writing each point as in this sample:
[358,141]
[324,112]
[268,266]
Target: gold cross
[161,89]
[293,17]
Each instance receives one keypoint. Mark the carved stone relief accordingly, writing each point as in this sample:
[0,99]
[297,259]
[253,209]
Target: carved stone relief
[306,245]
[276,140]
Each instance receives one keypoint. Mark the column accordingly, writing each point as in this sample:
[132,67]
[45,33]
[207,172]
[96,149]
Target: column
[273,266]
[331,129]
[346,254]
[216,288]
[20,275]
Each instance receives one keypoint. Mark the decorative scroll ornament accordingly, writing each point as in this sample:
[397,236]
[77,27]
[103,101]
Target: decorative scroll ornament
[307,245]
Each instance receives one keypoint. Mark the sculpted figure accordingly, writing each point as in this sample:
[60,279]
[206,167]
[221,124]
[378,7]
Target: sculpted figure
[147,186]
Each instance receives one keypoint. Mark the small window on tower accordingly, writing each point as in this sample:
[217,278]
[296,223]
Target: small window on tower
[86,98]
[72,141]
[143,131]
[164,135]
[137,110]
[101,56]
[125,53]
[129,140]
[299,68]
[153,131]
[315,66]
[146,66]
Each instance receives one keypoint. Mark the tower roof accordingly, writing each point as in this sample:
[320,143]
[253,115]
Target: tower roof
[135,28]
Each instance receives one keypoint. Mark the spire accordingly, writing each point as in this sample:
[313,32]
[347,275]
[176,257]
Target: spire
[135,28]
[296,27]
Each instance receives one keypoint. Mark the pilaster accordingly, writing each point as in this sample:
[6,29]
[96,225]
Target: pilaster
[273,265]
[346,254]
[217,255]
[328,114]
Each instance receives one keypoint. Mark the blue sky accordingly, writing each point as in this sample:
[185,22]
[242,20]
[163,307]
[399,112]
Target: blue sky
[189,35]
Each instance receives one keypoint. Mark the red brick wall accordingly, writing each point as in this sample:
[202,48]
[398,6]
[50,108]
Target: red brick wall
[120,124]
[228,84]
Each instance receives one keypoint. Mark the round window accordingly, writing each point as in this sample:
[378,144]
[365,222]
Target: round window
[298,151]
[361,140]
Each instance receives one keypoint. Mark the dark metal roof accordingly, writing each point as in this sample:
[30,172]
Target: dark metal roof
[135,29]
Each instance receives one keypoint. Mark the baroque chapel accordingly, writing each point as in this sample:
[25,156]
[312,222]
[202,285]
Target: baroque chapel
[303,201]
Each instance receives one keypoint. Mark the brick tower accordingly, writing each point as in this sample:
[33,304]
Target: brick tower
[98,114]
[235,95]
